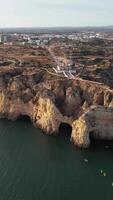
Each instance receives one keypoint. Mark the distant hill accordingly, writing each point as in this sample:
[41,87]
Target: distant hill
[56,30]
[110,26]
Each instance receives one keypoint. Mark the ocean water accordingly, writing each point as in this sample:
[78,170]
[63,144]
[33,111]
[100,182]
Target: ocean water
[34,166]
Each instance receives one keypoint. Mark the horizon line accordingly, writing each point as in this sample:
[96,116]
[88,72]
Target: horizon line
[87,26]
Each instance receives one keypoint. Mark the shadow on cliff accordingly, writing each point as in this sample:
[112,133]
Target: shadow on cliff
[98,144]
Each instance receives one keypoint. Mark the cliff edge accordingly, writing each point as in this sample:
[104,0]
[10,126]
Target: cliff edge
[84,106]
[29,87]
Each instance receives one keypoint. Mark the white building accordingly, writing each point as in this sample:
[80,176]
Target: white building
[4,38]
[0,39]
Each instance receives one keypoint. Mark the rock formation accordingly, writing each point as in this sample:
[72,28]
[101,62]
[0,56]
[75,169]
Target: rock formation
[97,123]
[85,106]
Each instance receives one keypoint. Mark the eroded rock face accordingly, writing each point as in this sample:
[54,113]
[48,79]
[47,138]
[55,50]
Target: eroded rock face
[72,102]
[47,116]
[97,123]
[52,102]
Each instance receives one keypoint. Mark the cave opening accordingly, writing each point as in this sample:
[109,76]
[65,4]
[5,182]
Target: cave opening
[24,118]
[65,129]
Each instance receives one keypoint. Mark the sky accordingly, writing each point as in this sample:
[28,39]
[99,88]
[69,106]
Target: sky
[53,13]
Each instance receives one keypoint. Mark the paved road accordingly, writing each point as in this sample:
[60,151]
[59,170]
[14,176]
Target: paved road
[53,56]
[69,75]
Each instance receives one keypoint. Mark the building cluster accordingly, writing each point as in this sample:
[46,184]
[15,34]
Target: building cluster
[43,39]
[5,38]
[86,36]
[29,39]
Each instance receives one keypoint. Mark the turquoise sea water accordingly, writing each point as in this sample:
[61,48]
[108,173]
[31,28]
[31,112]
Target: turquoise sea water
[34,166]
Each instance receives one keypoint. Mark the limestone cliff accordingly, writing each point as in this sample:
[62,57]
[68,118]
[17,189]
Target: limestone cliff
[97,123]
[85,106]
